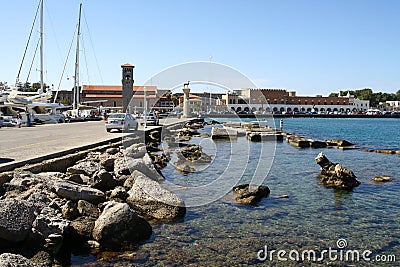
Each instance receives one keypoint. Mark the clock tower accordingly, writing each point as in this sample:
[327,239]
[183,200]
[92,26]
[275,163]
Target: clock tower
[127,86]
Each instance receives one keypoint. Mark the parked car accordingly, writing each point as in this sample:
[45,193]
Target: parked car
[121,122]
[150,119]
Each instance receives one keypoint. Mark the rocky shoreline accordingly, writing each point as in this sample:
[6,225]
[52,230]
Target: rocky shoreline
[108,198]
[104,199]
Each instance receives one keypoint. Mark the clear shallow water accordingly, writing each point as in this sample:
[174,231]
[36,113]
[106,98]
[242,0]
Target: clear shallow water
[223,233]
[378,133]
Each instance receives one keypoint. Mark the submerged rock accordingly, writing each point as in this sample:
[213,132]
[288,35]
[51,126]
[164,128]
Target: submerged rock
[335,175]
[382,179]
[335,142]
[118,226]
[250,194]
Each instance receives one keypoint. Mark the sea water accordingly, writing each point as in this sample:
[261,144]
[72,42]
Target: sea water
[358,227]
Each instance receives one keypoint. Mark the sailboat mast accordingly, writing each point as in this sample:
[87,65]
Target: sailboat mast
[41,48]
[76,80]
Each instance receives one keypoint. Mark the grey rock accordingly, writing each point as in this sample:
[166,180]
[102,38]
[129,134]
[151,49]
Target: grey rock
[118,193]
[43,259]
[107,163]
[334,142]
[16,217]
[49,228]
[119,226]
[69,210]
[149,198]
[112,150]
[250,194]
[136,151]
[76,178]
[125,166]
[77,192]
[91,156]
[82,227]
[23,181]
[88,209]
[382,179]
[41,198]
[87,168]
[15,260]
[104,180]
[335,175]
[5,177]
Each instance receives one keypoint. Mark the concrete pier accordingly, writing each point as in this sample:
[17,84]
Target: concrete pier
[29,145]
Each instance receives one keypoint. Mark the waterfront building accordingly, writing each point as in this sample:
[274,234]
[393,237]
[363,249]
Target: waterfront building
[111,96]
[393,105]
[282,101]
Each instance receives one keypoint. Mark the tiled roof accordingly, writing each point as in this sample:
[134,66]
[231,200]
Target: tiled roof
[116,96]
[116,88]
[103,96]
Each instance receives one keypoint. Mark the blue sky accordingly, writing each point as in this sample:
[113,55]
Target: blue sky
[312,47]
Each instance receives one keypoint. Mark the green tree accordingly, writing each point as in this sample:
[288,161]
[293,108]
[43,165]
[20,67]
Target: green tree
[364,94]
[36,86]
[175,99]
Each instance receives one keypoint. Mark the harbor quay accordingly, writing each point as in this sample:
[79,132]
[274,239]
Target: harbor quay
[28,145]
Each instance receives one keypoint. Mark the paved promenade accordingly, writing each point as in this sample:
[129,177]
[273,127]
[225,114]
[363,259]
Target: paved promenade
[30,144]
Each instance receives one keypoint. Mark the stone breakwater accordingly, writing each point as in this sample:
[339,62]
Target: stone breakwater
[100,198]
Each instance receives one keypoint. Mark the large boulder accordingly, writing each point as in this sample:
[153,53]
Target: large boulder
[136,151]
[77,192]
[14,260]
[125,166]
[250,194]
[119,226]
[16,218]
[149,198]
[335,175]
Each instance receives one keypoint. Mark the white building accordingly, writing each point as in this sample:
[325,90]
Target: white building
[280,100]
